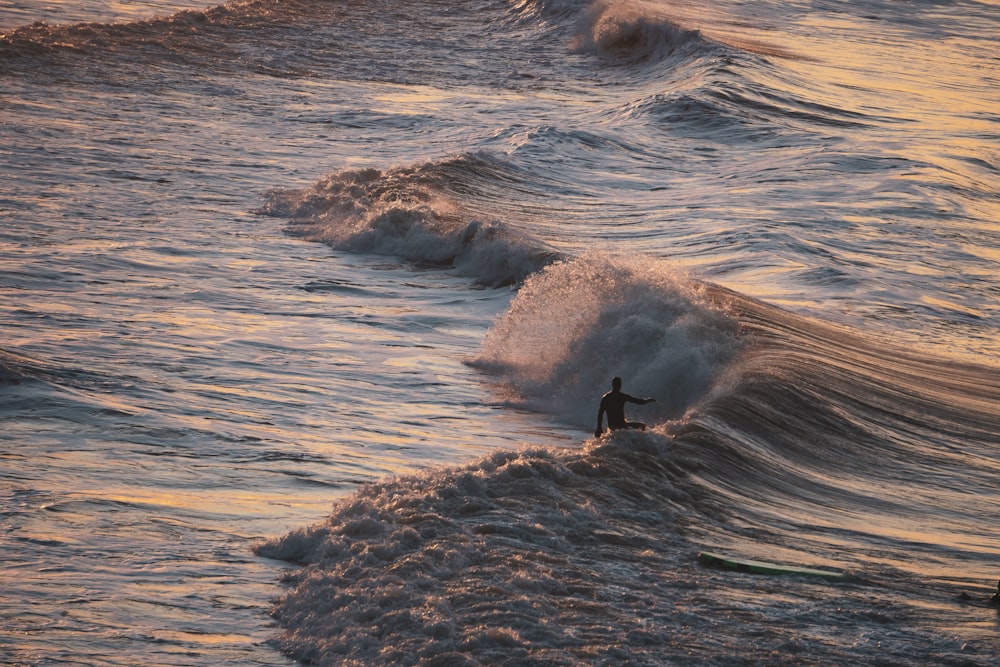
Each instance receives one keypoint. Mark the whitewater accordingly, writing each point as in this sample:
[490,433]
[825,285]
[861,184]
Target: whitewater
[308,306]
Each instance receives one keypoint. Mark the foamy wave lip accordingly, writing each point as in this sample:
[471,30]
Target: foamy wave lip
[632,29]
[576,324]
[407,212]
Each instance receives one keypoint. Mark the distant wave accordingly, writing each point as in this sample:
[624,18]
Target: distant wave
[634,31]
[214,38]
[735,113]
[275,37]
[301,36]
[413,213]
[157,33]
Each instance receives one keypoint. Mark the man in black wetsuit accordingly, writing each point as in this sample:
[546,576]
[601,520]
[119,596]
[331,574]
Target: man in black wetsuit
[613,403]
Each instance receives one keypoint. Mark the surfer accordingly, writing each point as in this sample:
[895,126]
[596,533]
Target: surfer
[613,403]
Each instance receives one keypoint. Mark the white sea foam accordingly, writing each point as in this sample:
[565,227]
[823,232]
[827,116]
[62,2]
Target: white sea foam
[520,556]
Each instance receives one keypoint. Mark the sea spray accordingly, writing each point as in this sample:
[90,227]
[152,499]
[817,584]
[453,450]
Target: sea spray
[576,324]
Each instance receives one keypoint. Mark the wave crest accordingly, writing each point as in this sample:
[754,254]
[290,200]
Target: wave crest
[575,325]
[412,213]
[632,30]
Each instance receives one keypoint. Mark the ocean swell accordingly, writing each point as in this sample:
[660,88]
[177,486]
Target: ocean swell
[844,440]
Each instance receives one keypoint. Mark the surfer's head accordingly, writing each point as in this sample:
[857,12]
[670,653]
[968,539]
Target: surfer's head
[616,383]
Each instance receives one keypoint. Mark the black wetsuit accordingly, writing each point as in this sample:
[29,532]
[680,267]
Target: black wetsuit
[613,403]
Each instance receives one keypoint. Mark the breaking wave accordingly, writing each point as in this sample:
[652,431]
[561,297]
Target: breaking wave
[814,446]
[412,213]
[575,325]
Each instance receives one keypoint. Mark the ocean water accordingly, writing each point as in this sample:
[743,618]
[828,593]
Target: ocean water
[307,308]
